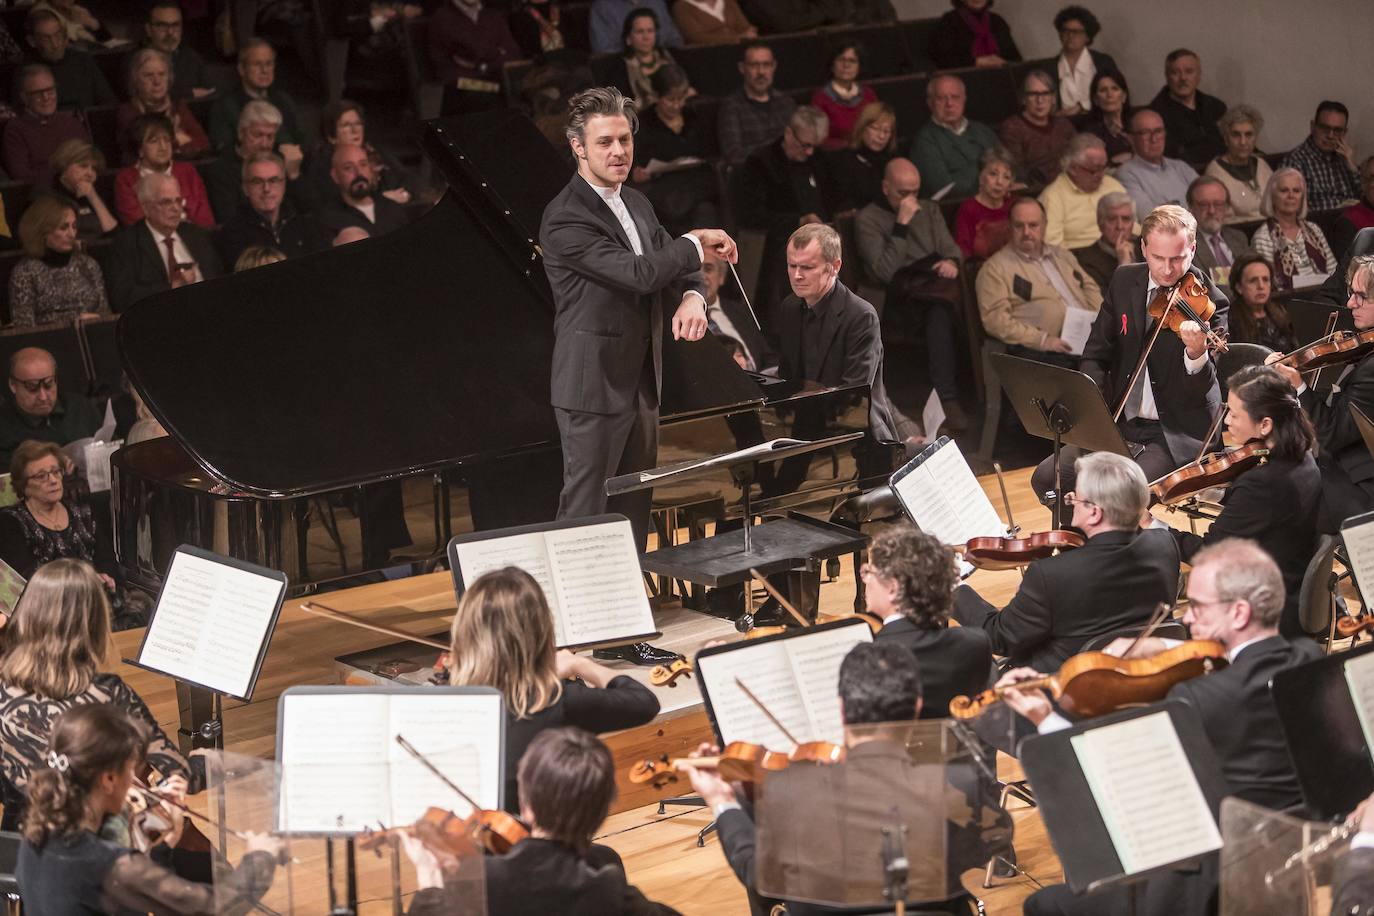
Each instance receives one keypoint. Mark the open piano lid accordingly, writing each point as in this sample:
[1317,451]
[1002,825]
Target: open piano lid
[397,355]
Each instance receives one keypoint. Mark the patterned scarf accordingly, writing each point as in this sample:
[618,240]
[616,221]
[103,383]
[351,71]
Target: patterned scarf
[1285,263]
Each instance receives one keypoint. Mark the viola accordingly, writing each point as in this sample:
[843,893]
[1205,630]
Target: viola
[1353,626]
[1332,350]
[443,832]
[1212,470]
[1014,552]
[667,675]
[1187,300]
[1094,683]
[741,761]
[148,827]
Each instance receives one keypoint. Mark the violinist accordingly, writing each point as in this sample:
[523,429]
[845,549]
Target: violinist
[1276,503]
[503,637]
[909,581]
[64,865]
[879,684]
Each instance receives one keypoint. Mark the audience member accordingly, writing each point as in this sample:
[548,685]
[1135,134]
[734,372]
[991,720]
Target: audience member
[905,248]
[1071,199]
[1190,115]
[257,70]
[1294,245]
[858,170]
[537,27]
[843,97]
[1359,215]
[259,132]
[971,35]
[980,227]
[775,16]
[47,523]
[1117,245]
[74,167]
[356,201]
[343,122]
[1241,168]
[150,92]
[641,56]
[671,132]
[162,251]
[55,280]
[1326,160]
[80,84]
[608,24]
[469,43]
[266,218]
[162,29]
[151,137]
[1218,245]
[83,29]
[948,149]
[1035,135]
[1077,62]
[32,136]
[755,115]
[732,323]
[255,256]
[1025,289]
[1151,178]
[712,23]
[1256,316]
[1107,119]
[348,235]
[35,408]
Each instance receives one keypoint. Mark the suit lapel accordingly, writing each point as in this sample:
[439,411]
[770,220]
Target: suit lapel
[640,220]
[830,320]
[600,209]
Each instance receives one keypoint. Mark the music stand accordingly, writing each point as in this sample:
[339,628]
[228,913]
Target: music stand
[1062,405]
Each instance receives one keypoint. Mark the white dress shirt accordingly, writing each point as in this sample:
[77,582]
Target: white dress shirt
[1148,409]
[183,254]
[1075,82]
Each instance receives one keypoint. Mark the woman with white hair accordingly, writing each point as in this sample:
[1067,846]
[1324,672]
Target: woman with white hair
[1295,246]
[150,92]
[1241,168]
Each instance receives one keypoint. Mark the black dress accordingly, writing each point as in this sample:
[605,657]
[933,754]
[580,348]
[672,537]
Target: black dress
[951,42]
[858,177]
[25,544]
[687,199]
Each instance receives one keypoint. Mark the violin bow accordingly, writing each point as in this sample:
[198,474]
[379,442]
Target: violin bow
[1012,529]
[412,751]
[767,712]
[320,610]
[1211,433]
[777,596]
[1161,611]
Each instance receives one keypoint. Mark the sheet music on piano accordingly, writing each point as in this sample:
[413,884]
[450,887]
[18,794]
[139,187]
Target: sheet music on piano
[588,569]
[939,493]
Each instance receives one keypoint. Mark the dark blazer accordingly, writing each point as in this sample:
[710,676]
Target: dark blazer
[295,234]
[335,215]
[951,43]
[138,267]
[848,337]
[1113,581]
[954,661]
[1100,263]
[1352,886]
[1187,403]
[764,355]
[1206,259]
[609,316]
[773,192]
[1191,133]
[1338,438]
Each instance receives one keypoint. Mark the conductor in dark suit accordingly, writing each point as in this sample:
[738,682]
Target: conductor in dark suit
[1172,405]
[161,251]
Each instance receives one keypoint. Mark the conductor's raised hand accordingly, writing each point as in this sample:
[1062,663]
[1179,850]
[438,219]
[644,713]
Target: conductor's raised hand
[689,321]
[717,243]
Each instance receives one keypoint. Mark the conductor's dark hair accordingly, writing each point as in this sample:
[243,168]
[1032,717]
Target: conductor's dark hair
[1265,393]
[596,102]
[923,570]
[879,682]
[1080,14]
[567,781]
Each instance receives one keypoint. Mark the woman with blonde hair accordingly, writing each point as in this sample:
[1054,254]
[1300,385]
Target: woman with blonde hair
[859,168]
[75,165]
[56,280]
[503,637]
[256,256]
[1295,247]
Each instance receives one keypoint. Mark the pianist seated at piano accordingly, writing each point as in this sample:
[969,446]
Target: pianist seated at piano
[503,637]
[35,409]
[163,250]
[729,320]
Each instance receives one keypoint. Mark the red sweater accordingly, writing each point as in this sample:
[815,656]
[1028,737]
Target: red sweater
[130,211]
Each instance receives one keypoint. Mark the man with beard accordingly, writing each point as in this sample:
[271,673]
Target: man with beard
[358,203]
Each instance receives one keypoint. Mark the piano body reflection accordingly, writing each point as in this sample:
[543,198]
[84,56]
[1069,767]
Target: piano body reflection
[347,411]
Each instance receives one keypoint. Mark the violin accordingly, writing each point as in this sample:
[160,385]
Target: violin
[1212,470]
[1013,552]
[1332,350]
[667,675]
[1094,683]
[741,761]
[443,832]
[148,827]
[1353,626]
[1187,300]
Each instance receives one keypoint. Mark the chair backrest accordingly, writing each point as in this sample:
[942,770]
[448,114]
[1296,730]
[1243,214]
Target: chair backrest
[1169,629]
[1314,601]
[1236,358]
[9,861]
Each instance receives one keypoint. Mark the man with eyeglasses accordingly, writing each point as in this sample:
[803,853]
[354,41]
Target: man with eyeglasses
[267,216]
[35,134]
[1327,160]
[258,132]
[160,251]
[1190,115]
[1071,199]
[1151,178]
[163,29]
[757,113]
[257,71]
[949,148]
[1218,245]
[80,83]
[36,410]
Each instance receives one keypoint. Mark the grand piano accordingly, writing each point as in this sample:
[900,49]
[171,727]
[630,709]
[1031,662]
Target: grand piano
[337,414]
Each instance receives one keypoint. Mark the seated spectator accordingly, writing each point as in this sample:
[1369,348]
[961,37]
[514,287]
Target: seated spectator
[948,149]
[1190,115]
[1359,215]
[641,55]
[163,30]
[730,321]
[348,235]
[905,248]
[55,280]
[83,28]
[843,97]
[607,24]
[469,43]
[972,35]
[1151,178]
[1326,159]
[162,251]
[1256,316]
[1077,62]
[257,69]
[343,122]
[755,115]
[36,410]
[670,132]
[257,256]
[267,218]
[1117,245]
[535,25]
[1241,168]
[1036,136]
[74,167]
[259,123]
[1071,199]
[150,92]
[47,523]
[980,228]
[1107,118]
[356,201]
[858,170]
[151,137]
[1218,245]
[1024,290]
[1296,247]
[80,84]
[39,129]
[712,23]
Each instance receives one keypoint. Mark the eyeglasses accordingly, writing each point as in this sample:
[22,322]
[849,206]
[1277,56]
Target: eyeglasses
[273,182]
[1361,299]
[49,474]
[35,385]
[806,147]
[1330,130]
[1039,94]
[169,202]
[42,92]
[1073,30]
[1071,499]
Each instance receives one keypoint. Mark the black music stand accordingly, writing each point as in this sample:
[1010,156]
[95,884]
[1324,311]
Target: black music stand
[1062,405]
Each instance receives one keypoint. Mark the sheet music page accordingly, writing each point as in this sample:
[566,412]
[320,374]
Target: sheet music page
[816,662]
[1147,793]
[945,500]
[1359,677]
[1078,323]
[211,623]
[600,590]
[767,671]
[460,735]
[1359,545]
[524,551]
[334,762]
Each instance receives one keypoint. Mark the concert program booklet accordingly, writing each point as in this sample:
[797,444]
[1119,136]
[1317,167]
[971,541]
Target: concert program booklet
[343,772]
[588,569]
[939,493]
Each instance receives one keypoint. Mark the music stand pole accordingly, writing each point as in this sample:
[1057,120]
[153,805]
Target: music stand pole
[1060,422]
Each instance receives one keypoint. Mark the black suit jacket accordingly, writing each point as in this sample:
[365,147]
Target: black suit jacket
[1100,263]
[1207,259]
[951,42]
[954,661]
[764,355]
[138,267]
[1115,580]
[1338,438]
[609,316]
[1187,403]
[336,215]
